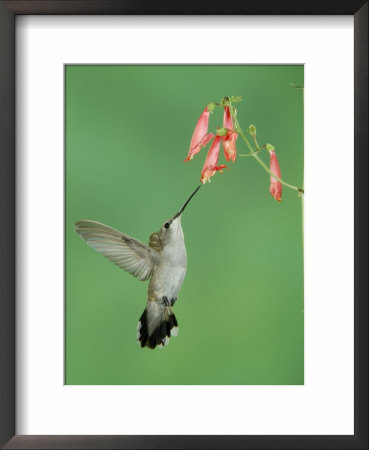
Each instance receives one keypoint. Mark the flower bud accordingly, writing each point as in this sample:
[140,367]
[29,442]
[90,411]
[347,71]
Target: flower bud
[252,130]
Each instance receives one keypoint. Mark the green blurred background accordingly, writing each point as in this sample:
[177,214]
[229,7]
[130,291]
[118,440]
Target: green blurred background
[240,310]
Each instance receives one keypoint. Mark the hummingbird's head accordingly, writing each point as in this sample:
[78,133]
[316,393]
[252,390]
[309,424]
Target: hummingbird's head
[171,228]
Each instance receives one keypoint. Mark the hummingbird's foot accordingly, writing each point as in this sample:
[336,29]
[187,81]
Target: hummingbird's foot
[166,302]
[173,301]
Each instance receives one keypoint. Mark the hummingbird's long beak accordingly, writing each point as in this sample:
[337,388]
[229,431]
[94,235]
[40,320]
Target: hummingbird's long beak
[187,202]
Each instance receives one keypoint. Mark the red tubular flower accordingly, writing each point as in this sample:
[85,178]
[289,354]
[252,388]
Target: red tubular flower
[275,185]
[229,140]
[200,137]
[210,165]
[227,118]
[229,146]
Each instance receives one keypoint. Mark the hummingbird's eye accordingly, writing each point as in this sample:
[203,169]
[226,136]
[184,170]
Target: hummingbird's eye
[167,225]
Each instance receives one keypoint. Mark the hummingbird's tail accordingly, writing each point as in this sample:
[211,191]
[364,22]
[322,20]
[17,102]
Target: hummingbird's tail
[157,323]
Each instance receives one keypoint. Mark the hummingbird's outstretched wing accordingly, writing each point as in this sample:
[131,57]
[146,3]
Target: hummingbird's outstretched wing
[124,251]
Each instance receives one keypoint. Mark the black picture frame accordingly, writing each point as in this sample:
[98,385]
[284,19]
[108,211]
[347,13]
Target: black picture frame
[8,12]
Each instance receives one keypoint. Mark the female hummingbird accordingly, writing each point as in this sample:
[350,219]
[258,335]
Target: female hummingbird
[164,261]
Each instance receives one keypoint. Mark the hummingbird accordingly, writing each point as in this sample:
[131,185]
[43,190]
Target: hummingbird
[163,262]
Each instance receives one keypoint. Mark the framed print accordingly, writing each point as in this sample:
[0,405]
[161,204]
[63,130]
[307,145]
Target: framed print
[100,101]
[155,86]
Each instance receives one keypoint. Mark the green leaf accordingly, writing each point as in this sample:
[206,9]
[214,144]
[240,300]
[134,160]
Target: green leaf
[211,106]
[236,98]
[222,132]
[296,87]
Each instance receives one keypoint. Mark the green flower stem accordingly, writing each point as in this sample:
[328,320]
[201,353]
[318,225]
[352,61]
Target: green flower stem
[243,154]
[254,153]
[256,143]
[261,162]
[302,197]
